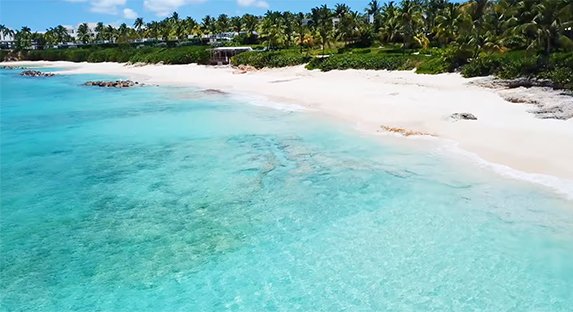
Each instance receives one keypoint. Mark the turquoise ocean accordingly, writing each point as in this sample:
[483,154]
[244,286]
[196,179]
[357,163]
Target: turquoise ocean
[177,199]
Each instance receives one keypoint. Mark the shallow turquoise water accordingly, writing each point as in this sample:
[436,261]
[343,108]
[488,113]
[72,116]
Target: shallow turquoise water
[170,199]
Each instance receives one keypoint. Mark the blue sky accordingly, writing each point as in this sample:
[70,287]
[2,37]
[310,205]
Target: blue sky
[41,14]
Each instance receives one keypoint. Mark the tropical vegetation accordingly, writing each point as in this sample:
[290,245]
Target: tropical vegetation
[508,38]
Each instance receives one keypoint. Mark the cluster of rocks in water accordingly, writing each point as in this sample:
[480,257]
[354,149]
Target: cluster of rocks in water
[112,84]
[35,73]
[13,67]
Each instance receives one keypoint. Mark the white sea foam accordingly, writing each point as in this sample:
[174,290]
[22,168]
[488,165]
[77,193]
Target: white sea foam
[561,186]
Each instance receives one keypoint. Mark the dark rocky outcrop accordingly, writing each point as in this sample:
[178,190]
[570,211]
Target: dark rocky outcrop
[463,116]
[112,84]
[547,102]
[35,73]
[496,83]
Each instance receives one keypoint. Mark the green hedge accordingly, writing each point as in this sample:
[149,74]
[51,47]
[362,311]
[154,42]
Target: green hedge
[558,67]
[365,61]
[270,59]
[177,55]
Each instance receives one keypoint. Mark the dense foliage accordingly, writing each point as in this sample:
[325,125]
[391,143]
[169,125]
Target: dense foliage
[508,38]
[270,59]
[364,61]
[558,68]
[177,55]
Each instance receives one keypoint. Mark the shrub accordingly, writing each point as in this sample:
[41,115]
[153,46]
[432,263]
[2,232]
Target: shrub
[178,55]
[363,61]
[270,59]
[515,65]
[432,65]
[560,70]
[558,67]
[562,77]
[482,66]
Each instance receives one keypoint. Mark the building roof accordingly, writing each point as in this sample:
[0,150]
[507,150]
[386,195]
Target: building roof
[232,48]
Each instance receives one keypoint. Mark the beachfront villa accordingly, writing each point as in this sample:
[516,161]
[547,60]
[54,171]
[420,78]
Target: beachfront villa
[223,55]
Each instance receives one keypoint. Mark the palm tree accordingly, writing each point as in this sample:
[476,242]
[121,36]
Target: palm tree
[153,30]
[301,29]
[322,23]
[61,34]
[6,32]
[23,38]
[373,11]
[223,23]
[341,9]
[99,29]
[475,10]
[110,34]
[236,24]
[551,19]
[289,20]
[50,36]
[348,24]
[447,23]
[138,25]
[390,20]
[175,17]
[190,26]
[250,22]
[432,9]
[84,33]
[411,21]
[123,32]
[208,25]
[272,29]
[165,29]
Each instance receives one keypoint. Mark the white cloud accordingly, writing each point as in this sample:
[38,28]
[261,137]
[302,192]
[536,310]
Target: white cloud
[106,6]
[256,3]
[102,6]
[166,7]
[129,13]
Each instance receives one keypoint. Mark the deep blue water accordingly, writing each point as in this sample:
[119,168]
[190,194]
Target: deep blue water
[171,199]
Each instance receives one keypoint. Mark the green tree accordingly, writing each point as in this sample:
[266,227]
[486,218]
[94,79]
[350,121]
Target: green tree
[223,23]
[6,32]
[447,22]
[153,30]
[272,29]
[301,30]
[99,30]
[208,25]
[138,24]
[411,22]
[250,23]
[23,38]
[84,33]
[236,24]
[547,27]
[322,24]
[373,11]
[391,28]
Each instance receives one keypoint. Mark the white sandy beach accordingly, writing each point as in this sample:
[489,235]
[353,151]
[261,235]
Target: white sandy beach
[505,133]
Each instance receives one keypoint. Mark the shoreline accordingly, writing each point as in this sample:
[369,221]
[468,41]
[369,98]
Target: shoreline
[506,137]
